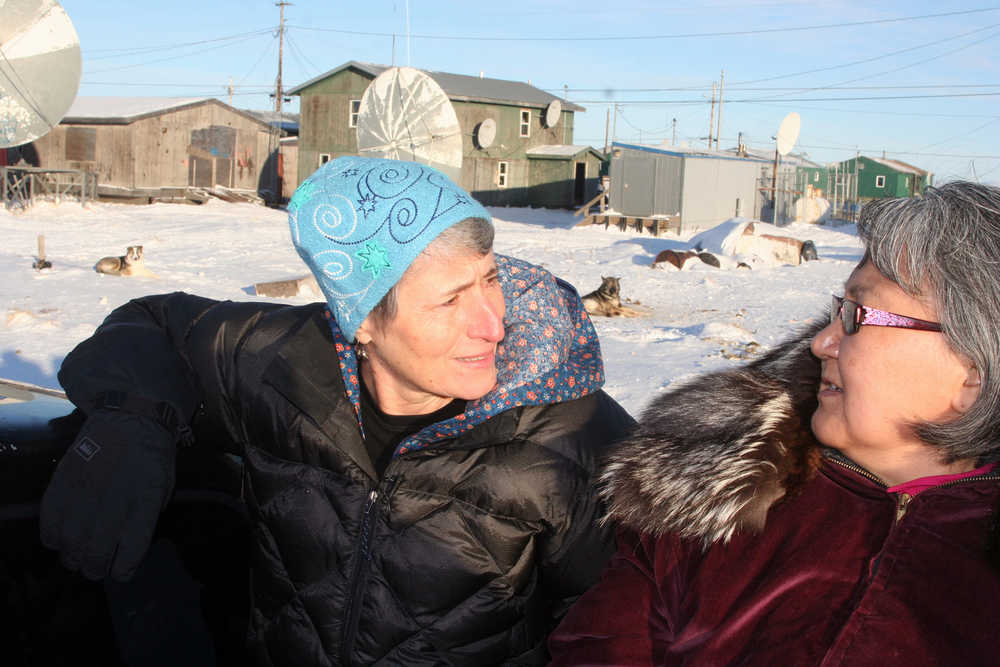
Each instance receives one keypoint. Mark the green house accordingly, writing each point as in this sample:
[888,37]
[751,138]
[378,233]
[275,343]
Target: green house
[529,162]
[881,178]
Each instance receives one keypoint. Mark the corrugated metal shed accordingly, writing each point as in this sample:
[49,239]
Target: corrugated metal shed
[460,87]
[702,187]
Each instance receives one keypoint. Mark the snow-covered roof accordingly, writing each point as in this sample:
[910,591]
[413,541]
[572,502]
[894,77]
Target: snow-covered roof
[558,150]
[463,88]
[112,110]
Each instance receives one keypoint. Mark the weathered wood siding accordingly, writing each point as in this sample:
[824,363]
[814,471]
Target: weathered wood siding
[205,144]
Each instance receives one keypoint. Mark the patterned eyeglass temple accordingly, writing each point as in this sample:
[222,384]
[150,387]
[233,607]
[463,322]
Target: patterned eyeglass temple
[853,315]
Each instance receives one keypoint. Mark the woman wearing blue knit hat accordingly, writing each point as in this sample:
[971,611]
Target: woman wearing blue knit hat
[418,452]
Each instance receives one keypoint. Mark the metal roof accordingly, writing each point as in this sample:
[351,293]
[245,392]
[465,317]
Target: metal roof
[687,152]
[462,88]
[559,150]
[897,165]
[111,110]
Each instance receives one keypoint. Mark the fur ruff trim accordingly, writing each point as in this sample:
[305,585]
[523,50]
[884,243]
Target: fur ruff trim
[710,457]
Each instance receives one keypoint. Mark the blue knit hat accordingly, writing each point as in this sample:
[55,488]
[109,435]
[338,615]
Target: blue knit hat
[360,222]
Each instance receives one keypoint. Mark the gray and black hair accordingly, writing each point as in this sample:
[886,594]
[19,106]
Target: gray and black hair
[945,246]
[469,235]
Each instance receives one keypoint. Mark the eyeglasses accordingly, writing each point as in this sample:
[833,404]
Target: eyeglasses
[853,315]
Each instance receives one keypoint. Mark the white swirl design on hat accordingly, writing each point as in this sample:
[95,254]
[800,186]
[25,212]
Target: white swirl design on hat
[336,219]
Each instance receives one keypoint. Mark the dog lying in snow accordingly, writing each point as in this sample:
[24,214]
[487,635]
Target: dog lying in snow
[606,300]
[129,264]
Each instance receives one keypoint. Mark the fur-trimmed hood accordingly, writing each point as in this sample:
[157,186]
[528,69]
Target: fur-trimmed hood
[712,456]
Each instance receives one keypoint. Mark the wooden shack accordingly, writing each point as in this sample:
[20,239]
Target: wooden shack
[141,145]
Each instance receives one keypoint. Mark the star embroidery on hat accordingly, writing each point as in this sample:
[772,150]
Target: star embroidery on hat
[374,258]
[367,203]
[349,172]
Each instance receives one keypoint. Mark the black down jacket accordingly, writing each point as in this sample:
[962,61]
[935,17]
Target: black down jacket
[470,547]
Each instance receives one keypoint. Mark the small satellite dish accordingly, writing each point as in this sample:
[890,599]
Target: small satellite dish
[486,132]
[404,115]
[39,69]
[552,113]
[788,133]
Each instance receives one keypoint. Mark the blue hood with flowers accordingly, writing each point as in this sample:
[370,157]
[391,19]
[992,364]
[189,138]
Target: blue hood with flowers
[549,354]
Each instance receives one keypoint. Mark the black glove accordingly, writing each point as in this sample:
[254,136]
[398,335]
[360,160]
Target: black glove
[104,499]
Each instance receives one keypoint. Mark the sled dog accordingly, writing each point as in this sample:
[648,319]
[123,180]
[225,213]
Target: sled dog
[129,264]
[606,300]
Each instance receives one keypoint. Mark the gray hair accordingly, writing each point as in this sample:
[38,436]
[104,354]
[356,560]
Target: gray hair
[469,235]
[945,245]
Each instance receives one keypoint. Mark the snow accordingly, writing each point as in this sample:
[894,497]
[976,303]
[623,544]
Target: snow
[698,320]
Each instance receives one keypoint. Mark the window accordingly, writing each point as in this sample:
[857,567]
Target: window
[355,109]
[880,181]
[525,122]
[323,158]
[81,144]
[816,177]
[502,174]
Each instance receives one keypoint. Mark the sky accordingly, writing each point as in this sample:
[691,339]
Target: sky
[692,321]
[916,80]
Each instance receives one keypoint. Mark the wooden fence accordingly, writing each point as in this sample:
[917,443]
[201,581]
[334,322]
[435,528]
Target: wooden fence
[22,186]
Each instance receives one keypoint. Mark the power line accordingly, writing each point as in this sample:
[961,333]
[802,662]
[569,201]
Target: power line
[139,50]
[753,100]
[177,57]
[598,38]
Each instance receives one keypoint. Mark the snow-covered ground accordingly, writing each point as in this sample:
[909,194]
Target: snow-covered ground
[699,320]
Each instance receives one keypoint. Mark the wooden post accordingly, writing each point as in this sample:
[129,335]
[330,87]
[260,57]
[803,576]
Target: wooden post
[41,247]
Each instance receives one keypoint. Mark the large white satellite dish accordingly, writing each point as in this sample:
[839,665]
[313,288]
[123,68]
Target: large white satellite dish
[552,112]
[39,68]
[405,115]
[788,133]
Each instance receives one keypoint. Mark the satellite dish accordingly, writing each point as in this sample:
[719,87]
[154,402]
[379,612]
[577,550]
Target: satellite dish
[404,115]
[552,113]
[486,132]
[39,69]
[788,133]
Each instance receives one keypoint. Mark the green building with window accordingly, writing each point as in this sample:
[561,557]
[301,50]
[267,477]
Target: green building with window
[882,178]
[527,162]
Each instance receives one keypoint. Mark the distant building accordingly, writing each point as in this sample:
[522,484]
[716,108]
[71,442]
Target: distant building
[527,163]
[701,187]
[149,143]
[880,178]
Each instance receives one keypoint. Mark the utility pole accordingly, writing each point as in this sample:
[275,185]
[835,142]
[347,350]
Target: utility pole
[711,119]
[614,125]
[607,129]
[718,124]
[673,134]
[230,89]
[279,95]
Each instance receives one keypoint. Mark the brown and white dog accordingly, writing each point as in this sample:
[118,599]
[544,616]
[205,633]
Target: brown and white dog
[129,264]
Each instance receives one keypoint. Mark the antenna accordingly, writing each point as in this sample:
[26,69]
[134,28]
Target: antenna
[39,69]
[788,133]
[404,115]
[486,133]
[552,112]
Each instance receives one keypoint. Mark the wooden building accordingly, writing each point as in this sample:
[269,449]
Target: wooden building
[529,162]
[145,144]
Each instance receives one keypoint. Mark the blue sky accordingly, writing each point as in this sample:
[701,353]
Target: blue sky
[917,80]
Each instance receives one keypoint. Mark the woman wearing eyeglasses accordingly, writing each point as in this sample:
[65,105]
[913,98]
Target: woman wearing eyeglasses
[834,502]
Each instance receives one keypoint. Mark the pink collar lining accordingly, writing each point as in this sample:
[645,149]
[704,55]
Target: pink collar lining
[915,486]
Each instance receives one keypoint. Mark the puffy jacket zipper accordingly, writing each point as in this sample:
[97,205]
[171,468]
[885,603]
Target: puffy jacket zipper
[353,613]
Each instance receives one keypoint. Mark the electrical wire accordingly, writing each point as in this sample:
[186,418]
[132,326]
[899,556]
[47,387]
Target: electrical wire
[141,50]
[177,57]
[599,38]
